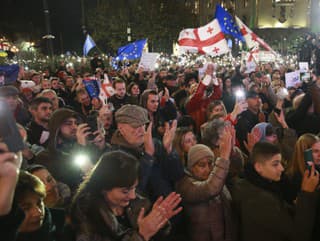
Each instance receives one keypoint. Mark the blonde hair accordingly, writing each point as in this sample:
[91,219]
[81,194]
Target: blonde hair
[297,101]
[297,164]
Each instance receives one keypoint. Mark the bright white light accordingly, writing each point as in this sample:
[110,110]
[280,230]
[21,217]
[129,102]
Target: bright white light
[81,160]
[240,94]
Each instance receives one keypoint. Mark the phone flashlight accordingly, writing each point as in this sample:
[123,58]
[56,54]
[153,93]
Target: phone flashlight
[282,93]
[240,95]
[81,160]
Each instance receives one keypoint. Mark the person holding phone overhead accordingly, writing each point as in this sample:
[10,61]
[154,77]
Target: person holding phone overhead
[261,210]
[307,145]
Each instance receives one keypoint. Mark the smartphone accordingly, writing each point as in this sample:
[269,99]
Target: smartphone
[240,95]
[93,124]
[308,158]
[276,110]
[9,132]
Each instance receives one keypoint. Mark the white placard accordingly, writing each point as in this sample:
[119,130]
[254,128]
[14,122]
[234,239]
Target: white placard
[303,67]
[250,67]
[148,61]
[292,79]
[266,56]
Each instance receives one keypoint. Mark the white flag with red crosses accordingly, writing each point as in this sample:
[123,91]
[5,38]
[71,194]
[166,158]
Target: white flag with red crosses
[252,40]
[106,90]
[207,39]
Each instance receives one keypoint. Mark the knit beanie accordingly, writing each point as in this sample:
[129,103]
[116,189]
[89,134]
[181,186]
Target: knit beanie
[196,153]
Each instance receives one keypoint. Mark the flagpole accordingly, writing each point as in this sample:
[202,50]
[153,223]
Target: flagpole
[100,51]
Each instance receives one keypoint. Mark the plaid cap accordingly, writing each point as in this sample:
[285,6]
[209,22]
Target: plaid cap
[132,114]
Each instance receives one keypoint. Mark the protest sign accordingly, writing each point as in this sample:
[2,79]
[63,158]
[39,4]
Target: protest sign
[303,67]
[292,79]
[148,61]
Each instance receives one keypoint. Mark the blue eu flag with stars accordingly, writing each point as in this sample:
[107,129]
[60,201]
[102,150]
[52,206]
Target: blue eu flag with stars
[227,24]
[132,50]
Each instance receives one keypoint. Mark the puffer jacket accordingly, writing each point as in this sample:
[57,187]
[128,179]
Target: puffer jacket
[207,204]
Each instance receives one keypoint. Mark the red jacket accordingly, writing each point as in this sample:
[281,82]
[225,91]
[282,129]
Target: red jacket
[197,105]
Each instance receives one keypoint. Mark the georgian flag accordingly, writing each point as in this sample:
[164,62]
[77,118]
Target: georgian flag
[252,40]
[207,39]
[106,90]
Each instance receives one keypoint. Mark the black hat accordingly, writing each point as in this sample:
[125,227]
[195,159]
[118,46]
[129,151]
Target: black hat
[8,90]
[251,94]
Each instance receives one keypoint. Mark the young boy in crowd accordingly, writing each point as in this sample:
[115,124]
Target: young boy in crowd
[262,213]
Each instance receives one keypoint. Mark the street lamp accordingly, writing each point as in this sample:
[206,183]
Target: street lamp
[129,33]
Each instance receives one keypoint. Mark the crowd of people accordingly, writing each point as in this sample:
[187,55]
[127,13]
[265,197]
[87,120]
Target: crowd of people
[174,154]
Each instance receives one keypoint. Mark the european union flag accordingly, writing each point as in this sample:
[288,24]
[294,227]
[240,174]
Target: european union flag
[92,87]
[88,45]
[132,50]
[8,74]
[227,24]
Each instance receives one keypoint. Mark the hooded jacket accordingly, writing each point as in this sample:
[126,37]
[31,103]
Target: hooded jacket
[58,158]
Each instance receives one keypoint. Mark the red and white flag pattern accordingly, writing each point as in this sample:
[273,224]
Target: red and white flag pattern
[207,39]
[106,90]
[252,40]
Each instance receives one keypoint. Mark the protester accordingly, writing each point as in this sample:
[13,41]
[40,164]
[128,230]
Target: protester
[261,211]
[160,166]
[298,165]
[10,95]
[249,118]
[58,194]
[120,97]
[30,220]
[107,207]
[184,139]
[206,200]
[41,110]
[197,103]
[9,170]
[67,141]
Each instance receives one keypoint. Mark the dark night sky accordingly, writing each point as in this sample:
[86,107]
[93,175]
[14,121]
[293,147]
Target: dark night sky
[24,20]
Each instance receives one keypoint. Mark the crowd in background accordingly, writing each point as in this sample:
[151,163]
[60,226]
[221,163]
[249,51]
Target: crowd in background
[178,153]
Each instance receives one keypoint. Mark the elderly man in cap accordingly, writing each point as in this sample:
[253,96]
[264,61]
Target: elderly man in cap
[160,167]
[10,94]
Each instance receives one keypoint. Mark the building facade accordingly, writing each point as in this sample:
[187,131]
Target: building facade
[259,14]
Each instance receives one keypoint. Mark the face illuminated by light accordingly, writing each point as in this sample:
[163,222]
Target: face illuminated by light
[202,169]
[133,135]
[68,129]
[45,84]
[316,153]
[188,141]
[270,169]
[135,91]
[120,90]
[33,208]
[152,103]
[120,197]
[52,194]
